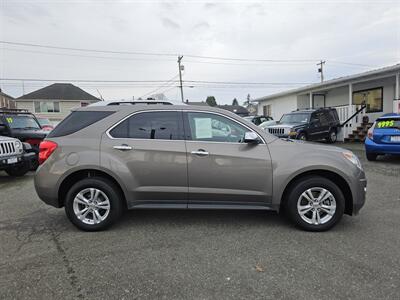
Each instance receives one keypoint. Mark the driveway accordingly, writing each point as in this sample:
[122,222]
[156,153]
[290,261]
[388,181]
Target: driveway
[201,254]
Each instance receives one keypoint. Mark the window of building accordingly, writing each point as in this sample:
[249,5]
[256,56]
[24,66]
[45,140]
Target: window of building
[165,125]
[267,110]
[47,107]
[373,98]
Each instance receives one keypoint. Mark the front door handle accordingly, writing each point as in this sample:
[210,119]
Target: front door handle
[123,147]
[200,152]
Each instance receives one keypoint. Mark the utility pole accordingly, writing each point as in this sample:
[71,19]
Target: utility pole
[181,68]
[321,69]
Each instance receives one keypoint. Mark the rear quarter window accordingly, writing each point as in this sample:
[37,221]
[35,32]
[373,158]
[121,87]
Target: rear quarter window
[78,120]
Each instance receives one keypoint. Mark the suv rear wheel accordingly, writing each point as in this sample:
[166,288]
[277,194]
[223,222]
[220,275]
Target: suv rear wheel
[93,204]
[332,137]
[315,204]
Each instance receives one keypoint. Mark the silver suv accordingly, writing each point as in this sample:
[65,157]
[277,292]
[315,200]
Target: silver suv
[100,161]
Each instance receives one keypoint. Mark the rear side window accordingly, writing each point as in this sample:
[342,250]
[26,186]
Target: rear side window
[167,125]
[78,120]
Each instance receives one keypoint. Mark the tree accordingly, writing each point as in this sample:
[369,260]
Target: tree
[235,102]
[247,102]
[211,101]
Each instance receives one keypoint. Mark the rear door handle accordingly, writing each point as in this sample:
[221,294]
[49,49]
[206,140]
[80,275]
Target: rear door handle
[200,152]
[123,147]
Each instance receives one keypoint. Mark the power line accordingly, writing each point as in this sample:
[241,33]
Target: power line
[169,82]
[153,81]
[155,53]
[87,50]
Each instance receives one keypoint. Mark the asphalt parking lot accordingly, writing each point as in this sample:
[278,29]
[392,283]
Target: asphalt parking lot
[201,254]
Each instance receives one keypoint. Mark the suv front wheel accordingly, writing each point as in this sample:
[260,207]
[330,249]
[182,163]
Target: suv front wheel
[315,203]
[93,204]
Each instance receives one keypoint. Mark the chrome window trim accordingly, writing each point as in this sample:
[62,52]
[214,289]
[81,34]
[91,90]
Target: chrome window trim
[182,111]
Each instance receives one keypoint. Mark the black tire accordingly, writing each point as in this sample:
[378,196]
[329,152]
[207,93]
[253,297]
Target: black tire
[105,186]
[18,171]
[332,136]
[302,136]
[371,156]
[302,185]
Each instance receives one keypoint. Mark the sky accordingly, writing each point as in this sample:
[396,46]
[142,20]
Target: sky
[276,43]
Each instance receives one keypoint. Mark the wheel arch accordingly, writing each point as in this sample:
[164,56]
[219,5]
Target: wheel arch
[336,178]
[80,174]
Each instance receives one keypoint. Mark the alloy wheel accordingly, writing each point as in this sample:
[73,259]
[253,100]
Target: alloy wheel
[316,206]
[91,206]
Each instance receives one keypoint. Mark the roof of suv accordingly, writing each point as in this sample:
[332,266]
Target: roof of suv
[133,108]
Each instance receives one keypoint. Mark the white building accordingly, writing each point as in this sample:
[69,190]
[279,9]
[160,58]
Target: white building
[378,89]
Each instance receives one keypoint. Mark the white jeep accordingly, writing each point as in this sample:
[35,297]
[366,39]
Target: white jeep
[13,157]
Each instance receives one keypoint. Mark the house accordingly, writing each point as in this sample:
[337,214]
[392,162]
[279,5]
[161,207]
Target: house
[6,101]
[55,101]
[377,89]
[237,109]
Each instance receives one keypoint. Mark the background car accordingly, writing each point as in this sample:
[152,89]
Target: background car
[383,137]
[309,124]
[257,120]
[265,124]
[14,159]
[45,124]
[24,126]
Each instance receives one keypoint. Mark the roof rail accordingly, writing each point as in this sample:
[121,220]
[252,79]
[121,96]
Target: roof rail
[13,110]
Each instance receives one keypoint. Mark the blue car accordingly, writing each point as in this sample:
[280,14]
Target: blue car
[383,137]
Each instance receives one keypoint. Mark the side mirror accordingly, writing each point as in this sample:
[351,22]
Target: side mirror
[251,138]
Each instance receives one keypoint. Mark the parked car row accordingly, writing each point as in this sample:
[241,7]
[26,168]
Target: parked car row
[323,124]
[21,133]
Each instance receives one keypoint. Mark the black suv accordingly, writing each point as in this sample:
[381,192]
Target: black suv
[310,124]
[22,125]
[257,120]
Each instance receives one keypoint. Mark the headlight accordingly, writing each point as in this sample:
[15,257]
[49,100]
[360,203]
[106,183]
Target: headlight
[292,132]
[352,158]
[18,146]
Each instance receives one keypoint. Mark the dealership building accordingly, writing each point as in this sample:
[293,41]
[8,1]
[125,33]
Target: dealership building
[377,90]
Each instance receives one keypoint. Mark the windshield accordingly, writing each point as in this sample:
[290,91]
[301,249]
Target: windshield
[295,118]
[22,122]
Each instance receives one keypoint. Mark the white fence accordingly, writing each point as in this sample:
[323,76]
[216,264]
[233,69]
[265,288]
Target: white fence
[344,113]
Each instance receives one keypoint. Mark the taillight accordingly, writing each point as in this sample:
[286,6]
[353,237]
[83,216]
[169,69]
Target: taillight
[370,133]
[46,148]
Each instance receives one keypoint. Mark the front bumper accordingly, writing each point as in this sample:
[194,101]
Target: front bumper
[359,195]
[21,159]
[372,147]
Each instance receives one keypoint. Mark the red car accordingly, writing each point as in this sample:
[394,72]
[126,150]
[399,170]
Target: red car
[45,124]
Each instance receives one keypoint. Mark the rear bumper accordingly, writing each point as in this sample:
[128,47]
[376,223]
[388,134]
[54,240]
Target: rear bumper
[372,147]
[46,186]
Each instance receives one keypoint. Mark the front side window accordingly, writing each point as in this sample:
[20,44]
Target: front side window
[47,107]
[214,128]
[372,98]
[166,125]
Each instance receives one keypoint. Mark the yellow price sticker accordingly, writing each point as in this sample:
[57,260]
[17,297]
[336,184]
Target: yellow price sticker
[9,120]
[384,124]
